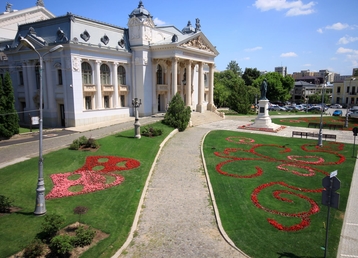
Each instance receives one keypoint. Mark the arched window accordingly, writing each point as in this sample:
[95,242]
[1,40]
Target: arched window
[86,73]
[159,74]
[121,75]
[105,74]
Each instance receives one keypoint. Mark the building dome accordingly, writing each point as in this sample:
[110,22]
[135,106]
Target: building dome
[188,29]
[140,11]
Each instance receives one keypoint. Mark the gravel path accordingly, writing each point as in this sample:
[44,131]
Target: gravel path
[177,219]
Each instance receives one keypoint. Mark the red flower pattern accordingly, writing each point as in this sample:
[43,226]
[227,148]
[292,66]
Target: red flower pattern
[298,165]
[90,179]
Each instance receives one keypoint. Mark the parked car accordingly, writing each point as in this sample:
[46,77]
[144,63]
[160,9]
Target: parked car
[335,106]
[337,112]
[314,109]
[353,114]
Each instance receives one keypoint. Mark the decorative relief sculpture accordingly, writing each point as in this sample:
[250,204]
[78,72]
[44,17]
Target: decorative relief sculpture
[197,43]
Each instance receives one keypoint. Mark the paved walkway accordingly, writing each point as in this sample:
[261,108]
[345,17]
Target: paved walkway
[177,219]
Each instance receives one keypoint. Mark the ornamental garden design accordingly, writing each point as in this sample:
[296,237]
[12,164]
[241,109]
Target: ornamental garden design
[299,166]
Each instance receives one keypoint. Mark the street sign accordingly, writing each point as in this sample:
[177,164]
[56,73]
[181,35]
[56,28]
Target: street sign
[329,196]
[355,131]
[333,174]
[35,120]
[326,183]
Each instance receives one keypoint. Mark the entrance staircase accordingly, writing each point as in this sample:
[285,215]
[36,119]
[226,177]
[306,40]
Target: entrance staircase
[204,118]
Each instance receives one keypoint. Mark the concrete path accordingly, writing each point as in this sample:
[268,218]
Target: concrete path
[177,219]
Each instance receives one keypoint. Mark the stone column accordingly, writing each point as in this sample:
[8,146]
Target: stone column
[115,84]
[199,107]
[182,66]
[154,87]
[211,88]
[188,83]
[174,76]
[98,85]
[169,81]
[49,91]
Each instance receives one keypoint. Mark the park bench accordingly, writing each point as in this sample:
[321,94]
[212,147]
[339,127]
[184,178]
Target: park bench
[314,135]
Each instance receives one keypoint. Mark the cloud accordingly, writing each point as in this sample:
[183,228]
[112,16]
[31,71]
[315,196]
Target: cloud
[346,40]
[294,8]
[246,58]
[307,65]
[252,49]
[158,22]
[343,50]
[320,30]
[288,54]
[337,26]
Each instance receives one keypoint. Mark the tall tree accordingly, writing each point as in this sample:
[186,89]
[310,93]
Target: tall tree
[278,87]
[233,90]
[9,120]
[234,66]
[250,75]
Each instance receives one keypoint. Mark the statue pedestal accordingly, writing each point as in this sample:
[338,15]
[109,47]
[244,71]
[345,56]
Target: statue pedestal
[263,119]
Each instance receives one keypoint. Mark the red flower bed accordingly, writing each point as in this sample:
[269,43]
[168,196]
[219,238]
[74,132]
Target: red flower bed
[298,165]
[91,180]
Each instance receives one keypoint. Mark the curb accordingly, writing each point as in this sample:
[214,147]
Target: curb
[141,201]
[215,207]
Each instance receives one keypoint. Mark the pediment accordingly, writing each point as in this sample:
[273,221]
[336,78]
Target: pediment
[200,43]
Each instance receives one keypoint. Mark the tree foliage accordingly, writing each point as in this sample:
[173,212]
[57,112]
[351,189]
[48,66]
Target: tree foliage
[317,98]
[231,91]
[9,120]
[250,75]
[234,66]
[278,87]
[178,115]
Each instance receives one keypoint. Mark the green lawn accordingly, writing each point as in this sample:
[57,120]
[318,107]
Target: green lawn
[248,201]
[326,120]
[111,210]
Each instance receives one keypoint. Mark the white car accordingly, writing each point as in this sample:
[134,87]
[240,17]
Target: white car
[335,106]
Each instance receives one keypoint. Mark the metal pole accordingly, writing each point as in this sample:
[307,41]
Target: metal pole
[40,196]
[320,124]
[346,122]
[328,213]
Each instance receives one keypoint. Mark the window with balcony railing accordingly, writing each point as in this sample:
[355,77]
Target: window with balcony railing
[86,73]
[121,72]
[105,74]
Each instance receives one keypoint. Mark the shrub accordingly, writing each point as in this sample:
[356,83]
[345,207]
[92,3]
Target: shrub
[83,237]
[61,244]
[35,249]
[84,142]
[52,224]
[5,204]
[178,115]
[151,131]
[75,145]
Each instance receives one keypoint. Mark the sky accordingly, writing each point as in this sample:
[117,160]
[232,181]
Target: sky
[262,34]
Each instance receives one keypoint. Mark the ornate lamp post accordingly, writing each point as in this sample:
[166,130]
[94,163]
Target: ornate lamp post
[40,207]
[346,122]
[322,109]
[136,104]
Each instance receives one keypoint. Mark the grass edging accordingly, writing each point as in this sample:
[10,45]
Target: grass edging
[212,196]
[141,201]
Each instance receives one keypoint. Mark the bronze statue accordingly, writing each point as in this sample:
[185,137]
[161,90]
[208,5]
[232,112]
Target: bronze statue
[263,90]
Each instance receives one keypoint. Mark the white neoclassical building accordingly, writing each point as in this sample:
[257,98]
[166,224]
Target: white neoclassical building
[103,67]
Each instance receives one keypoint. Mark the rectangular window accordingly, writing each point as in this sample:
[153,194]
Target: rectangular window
[353,90]
[88,102]
[59,76]
[347,89]
[21,78]
[123,101]
[106,101]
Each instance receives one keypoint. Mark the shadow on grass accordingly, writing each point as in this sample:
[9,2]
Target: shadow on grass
[124,136]
[291,255]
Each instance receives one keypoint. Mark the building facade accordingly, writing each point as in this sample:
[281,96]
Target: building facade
[103,67]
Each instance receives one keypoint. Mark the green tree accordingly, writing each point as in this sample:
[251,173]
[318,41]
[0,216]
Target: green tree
[178,115]
[9,120]
[234,90]
[317,98]
[278,87]
[250,75]
[234,66]
[221,92]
